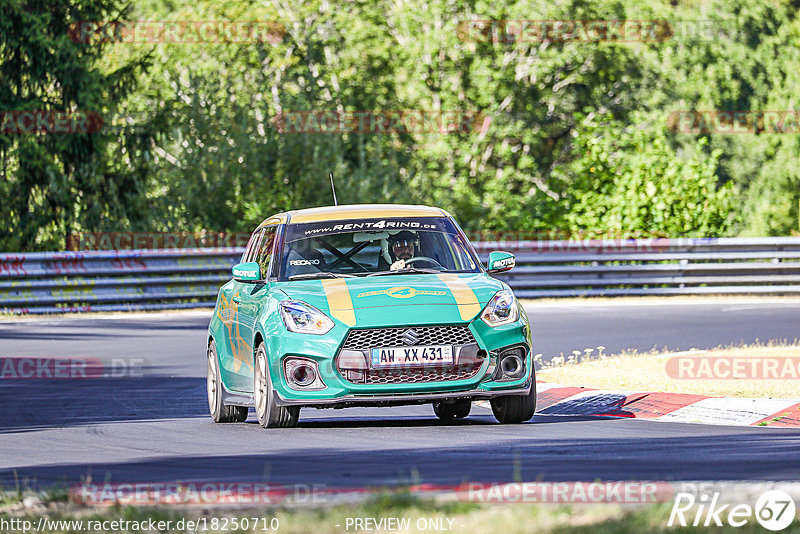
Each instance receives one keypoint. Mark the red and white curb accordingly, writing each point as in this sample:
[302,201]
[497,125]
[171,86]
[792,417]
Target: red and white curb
[555,399]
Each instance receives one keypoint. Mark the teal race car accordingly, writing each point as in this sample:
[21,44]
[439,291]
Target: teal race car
[367,305]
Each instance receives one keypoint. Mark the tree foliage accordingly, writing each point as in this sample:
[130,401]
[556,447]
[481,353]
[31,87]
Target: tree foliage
[577,137]
[630,181]
[52,184]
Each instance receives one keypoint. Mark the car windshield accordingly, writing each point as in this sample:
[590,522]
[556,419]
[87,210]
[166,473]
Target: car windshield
[374,247]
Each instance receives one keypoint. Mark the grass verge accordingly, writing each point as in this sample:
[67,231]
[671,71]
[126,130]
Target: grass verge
[412,513]
[648,372]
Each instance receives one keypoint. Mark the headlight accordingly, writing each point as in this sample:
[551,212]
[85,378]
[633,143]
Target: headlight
[304,318]
[502,309]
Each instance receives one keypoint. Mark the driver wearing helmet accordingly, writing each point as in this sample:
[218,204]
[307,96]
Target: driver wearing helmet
[403,246]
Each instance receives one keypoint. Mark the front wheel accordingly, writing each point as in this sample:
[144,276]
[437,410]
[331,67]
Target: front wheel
[270,415]
[512,409]
[220,412]
[455,410]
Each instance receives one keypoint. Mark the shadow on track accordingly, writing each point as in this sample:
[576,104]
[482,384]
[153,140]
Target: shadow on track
[29,405]
[726,455]
[389,423]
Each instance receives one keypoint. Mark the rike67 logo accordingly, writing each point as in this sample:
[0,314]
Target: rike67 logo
[774,510]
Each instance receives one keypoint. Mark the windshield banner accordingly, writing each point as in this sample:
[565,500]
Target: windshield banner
[390,225]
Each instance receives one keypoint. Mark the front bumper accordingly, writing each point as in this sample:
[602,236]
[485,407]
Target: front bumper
[349,401]
[340,393]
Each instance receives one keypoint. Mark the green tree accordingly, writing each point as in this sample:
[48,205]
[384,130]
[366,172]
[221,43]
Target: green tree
[743,58]
[205,153]
[221,102]
[629,182]
[532,89]
[54,184]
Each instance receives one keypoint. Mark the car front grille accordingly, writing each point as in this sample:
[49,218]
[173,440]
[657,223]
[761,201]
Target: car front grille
[393,337]
[367,339]
[417,375]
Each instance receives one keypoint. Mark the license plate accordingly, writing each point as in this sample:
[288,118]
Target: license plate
[411,356]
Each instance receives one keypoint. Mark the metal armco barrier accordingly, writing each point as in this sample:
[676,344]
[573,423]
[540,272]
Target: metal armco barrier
[61,282]
[687,266]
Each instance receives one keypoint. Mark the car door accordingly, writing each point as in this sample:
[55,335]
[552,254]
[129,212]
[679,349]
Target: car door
[250,299]
[230,354]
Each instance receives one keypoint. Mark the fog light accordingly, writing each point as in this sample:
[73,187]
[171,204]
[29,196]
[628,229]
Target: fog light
[512,366]
[302,374]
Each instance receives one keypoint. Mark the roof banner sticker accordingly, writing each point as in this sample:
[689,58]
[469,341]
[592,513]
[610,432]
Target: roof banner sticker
[391,225]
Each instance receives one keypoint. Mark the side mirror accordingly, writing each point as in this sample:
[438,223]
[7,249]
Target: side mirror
[500,262]
[246,272]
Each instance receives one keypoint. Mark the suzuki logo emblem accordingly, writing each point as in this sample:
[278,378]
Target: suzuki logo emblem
[410,337]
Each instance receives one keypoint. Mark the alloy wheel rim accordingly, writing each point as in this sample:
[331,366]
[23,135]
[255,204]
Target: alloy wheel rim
[211,382]
[261,389]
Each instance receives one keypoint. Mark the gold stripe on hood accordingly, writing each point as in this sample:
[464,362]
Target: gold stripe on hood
[339,301]
[466,299]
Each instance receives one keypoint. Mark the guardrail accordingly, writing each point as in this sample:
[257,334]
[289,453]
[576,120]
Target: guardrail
[687,266]
[61,282]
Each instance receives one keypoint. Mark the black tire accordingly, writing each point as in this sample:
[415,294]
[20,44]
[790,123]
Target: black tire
[269,414]
[456,410]
[512,409]
[220,412]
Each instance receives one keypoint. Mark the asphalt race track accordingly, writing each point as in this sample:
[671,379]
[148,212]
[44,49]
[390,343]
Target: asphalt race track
[156,428]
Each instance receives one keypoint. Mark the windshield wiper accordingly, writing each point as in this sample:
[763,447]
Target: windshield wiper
[313,276]
[406,270]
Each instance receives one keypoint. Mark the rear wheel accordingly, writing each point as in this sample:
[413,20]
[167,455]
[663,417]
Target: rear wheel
[454,410]
[220,412]
[269,414]
[515,408]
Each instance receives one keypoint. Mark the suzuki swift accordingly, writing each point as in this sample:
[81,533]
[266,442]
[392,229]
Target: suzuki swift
[367,305]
